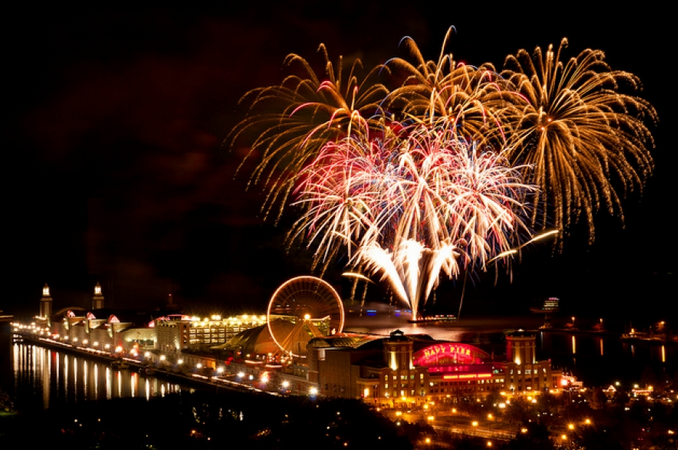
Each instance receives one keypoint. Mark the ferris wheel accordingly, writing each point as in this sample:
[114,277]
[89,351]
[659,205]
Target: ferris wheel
[311,306]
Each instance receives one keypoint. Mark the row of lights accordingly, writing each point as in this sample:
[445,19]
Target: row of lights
[241,376]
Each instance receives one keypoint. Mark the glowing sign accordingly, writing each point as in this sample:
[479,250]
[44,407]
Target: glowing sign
[467,376]
[449,353]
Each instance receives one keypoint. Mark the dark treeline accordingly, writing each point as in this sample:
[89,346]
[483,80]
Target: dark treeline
[201,420]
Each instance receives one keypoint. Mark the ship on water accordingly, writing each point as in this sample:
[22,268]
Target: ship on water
[550,306]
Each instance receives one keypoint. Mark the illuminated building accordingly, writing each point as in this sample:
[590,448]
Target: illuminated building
[177,332]
[416,368]
[46,304]
[523,371]
[172,333]
[98,299]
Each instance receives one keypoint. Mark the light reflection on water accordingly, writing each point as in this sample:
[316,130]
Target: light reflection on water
[45,378]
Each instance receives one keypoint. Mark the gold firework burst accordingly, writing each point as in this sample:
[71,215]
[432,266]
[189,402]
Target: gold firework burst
[472,100]
[586,140]
[294,119]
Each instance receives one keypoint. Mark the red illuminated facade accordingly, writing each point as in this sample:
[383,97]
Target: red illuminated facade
[404,369]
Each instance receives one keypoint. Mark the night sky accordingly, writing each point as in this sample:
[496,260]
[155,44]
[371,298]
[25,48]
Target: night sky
[116,169]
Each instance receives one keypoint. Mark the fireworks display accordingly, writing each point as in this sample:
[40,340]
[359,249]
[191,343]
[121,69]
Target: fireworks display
[472,100]
[442,172]
[304,112]
[410,206]
[583,138]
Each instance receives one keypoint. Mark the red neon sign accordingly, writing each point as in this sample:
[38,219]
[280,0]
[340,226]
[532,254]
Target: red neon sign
[449,353]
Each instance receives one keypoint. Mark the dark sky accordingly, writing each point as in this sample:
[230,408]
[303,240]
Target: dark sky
[116,172]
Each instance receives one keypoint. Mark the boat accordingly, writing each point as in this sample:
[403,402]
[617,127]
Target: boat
[435,318]
[551,305]
[643,336]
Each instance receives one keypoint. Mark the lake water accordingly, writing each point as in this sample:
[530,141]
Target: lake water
[43,378]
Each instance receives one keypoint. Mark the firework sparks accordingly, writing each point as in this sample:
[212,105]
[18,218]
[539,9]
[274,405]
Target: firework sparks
[410,208]
[473,100]
[581,135]
[301,114]
[445,188]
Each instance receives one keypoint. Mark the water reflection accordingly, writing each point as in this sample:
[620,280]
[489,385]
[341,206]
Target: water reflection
[574,344]
[44,378]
